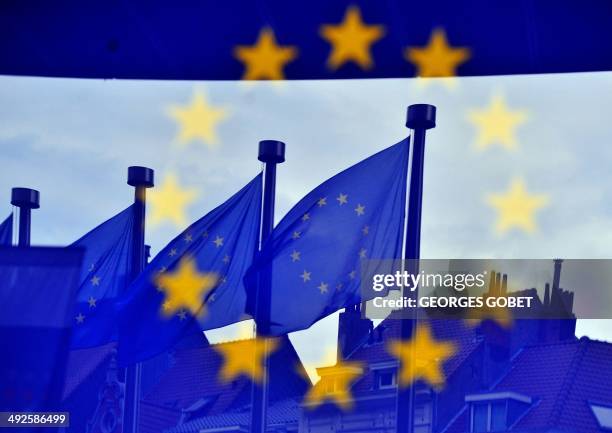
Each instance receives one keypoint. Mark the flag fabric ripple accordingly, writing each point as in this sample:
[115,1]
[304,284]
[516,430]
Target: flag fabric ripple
[223,242]
[315,252]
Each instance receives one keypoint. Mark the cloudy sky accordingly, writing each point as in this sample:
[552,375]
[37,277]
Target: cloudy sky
[544,139]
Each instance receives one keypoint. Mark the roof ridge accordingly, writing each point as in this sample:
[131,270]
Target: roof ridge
[570,377]
[554,343]
[240,340]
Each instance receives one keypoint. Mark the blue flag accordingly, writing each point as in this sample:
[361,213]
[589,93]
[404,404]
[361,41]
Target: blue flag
[37,290]
[105,276]
[314,253]
[6,231]
[272,39]
[207,263]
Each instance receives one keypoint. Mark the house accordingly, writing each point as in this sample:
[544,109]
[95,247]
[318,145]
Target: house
[533,377]
[191,396]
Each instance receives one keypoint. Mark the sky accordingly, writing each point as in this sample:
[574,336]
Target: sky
[542,140]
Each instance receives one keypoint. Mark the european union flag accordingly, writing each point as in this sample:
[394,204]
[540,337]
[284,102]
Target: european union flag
[105,276]
[195,282]
[37,290]
[314,253]
[273,39]
[6,231]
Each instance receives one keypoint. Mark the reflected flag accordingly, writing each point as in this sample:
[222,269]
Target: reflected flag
[326,40]
[105,276]
[6,231]
[314,253]
[195,282]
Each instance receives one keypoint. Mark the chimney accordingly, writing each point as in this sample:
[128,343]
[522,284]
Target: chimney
[497,283]
[504,286]
[492,283]
[353,330]
[547,295]
[557,276]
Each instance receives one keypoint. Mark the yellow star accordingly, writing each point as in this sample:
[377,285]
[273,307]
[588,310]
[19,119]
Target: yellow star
[421,357]
[185,288]
[265,60]
[245,357]
[351,40]
[438,58]
[198,121]
[496,124]
[169,201]
[516,208]
[335,385]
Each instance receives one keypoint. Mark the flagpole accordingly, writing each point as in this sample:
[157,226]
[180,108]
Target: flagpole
[271,152]
[420,118]
[25,199]
[140,178]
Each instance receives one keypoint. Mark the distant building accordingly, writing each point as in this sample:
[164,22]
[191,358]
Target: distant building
[535,377]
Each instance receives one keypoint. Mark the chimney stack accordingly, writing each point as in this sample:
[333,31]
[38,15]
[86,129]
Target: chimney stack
[497,283]
[504,286]
[547,295]
[556,278]
[492,283]
[352,330]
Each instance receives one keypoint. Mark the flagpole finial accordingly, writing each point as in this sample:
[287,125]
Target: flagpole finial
[271,151]
[421,116]
[25,198]
[140,176]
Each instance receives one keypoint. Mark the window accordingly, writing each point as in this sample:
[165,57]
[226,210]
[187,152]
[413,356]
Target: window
[496,411]
[480,417]
[386,379]
[489,416]
[330,385]
[422,417]
[498,415]
[603,414]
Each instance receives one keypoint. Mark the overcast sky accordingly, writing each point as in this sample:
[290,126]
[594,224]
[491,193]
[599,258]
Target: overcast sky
[74,139]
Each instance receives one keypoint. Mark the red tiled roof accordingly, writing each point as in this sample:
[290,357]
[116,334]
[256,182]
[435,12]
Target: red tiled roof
[561,378]
[282,413]
[157,418]
[195,376]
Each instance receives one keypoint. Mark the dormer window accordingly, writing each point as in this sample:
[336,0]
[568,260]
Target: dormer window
[495,411]
[339,378]
[386,379]
[385,375]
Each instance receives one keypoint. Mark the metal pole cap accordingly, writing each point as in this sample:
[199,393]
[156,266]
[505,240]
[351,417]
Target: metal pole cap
[140,176]
[25,198]
[271,151]
[421,116]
